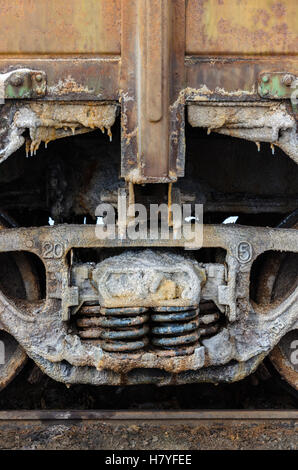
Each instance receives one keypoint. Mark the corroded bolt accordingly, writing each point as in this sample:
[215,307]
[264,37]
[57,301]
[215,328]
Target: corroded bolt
[287,79]
[16,80]
[265,79]
[38,77]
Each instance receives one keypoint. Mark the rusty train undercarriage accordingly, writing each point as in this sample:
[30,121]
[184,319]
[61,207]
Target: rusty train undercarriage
[160,109]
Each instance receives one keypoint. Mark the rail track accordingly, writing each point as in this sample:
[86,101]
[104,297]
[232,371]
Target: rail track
[149,430]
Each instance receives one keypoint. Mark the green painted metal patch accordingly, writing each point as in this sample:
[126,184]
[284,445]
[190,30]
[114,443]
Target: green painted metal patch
[24,84]
[279,86]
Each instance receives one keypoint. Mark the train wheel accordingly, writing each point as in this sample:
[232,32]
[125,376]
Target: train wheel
[280,275]
[17,280]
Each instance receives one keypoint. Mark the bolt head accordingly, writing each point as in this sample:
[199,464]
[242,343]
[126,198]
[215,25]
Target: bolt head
[38,77]
[287,79]
[265,79]
[16,80]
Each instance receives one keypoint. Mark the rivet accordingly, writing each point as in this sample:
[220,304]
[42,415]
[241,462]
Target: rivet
[287,79]
[265,79]
[16,80]
[38,77]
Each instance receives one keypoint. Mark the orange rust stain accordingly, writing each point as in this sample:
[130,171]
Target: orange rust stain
[241,27]
[56,27]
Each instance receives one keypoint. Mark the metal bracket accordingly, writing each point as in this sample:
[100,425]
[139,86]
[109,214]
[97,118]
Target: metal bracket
[70,298]
[23,84]
[278,86]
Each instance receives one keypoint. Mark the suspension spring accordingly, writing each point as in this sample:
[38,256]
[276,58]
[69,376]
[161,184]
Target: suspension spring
[209,318]
[118,329]
[176,330]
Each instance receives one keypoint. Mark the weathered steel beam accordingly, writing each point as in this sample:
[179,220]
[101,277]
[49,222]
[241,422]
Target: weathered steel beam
[231,78]
[95,79]
[152,75]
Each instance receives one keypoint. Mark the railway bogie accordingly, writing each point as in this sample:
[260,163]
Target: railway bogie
[132,138]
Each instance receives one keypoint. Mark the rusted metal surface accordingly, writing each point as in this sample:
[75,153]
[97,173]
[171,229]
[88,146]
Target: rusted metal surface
[73,79]
[171,54]
[230,27]
[57,28]
[93,27]
[157,75]
[149,430]
[237,348]
[231,78]
[152,74]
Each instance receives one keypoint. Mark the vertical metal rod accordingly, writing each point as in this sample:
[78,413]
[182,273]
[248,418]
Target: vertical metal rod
[152,76]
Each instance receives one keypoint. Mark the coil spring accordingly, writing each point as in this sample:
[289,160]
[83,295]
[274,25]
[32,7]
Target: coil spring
[176,330]
[118,329]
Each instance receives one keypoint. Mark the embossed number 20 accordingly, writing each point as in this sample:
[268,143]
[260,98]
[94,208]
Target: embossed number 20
[52,250]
